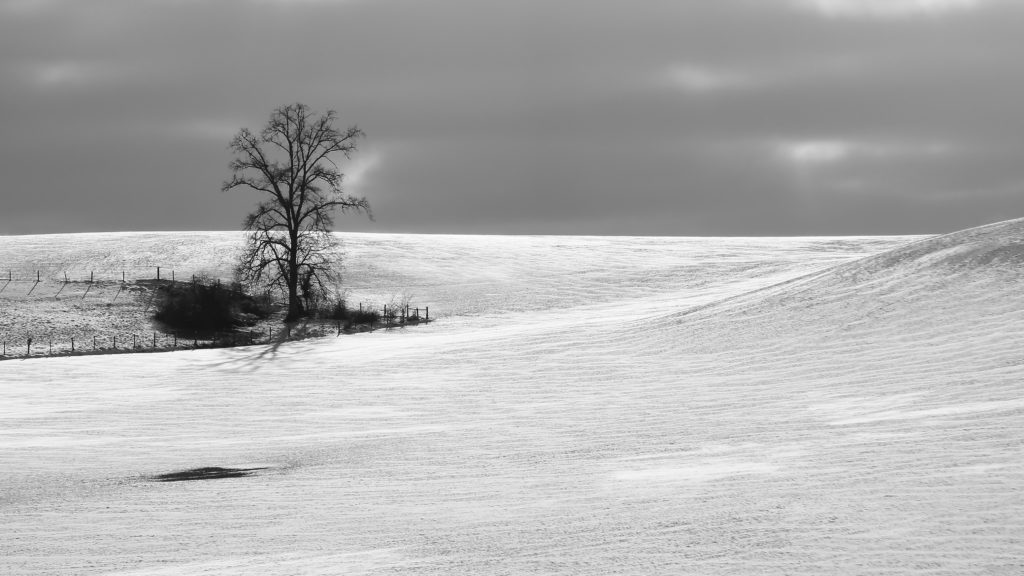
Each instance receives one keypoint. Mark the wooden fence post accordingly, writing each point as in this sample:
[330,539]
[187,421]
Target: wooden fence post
[72,344]
[428,313]
[154,339]
[94,343]
[157,272]
[134,341]
[115,341]
[91,276]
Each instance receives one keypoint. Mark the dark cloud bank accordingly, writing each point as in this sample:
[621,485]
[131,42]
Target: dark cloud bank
[718,117]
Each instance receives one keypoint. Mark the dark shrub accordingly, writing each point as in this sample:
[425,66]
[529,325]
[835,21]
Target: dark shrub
[202,307]
[336,311]
[339,311]
[260,306]
[357,317]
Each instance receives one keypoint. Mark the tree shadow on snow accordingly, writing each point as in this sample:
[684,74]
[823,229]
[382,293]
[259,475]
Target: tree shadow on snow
[299,336]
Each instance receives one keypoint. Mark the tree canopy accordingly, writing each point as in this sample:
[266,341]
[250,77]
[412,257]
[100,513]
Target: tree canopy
[292,165]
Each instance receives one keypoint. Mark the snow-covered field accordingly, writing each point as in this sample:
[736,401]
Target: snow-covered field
[584,405]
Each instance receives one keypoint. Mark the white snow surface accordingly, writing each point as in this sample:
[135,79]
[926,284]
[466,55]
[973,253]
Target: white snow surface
[583,405]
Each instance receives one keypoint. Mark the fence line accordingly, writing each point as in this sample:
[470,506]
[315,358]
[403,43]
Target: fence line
[389,316]
[119,274]
[119,277]
[154,341]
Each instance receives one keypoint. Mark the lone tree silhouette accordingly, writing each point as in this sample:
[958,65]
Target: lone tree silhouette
[289,245]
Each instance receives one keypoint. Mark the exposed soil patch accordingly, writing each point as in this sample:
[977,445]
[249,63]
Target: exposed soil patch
[208,473]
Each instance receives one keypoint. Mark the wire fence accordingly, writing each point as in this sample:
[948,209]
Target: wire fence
[386,318]
[56,273]
[104,285]
[108,284]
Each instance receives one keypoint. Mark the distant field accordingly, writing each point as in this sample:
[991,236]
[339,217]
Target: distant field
[57,287]
[79,293]
[58,312]
[584,405]
[96,289]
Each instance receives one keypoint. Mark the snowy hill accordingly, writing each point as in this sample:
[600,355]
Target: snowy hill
[959,287]
[586,406]
[471,278]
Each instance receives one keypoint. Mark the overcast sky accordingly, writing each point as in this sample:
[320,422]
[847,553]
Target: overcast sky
[674,117]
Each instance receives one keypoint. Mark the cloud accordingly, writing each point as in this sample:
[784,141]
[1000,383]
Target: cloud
[815,152]
[696,79]
[218,130]
[26,7]
[822,152]
[301,4]
[359,168]
[889,8]
[514,116]
[69,74]
[63,73]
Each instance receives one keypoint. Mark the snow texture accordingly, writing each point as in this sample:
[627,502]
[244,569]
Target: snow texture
[585,405]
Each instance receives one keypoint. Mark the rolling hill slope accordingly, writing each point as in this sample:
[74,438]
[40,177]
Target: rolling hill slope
[962,287]
[588,406]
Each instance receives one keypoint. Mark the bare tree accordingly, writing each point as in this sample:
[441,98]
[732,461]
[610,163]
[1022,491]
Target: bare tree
[289,163]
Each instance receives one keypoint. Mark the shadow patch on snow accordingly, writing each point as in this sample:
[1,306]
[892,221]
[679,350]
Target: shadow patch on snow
[207,473]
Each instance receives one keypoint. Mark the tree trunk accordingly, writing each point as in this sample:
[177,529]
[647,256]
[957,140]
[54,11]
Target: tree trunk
[294,302]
